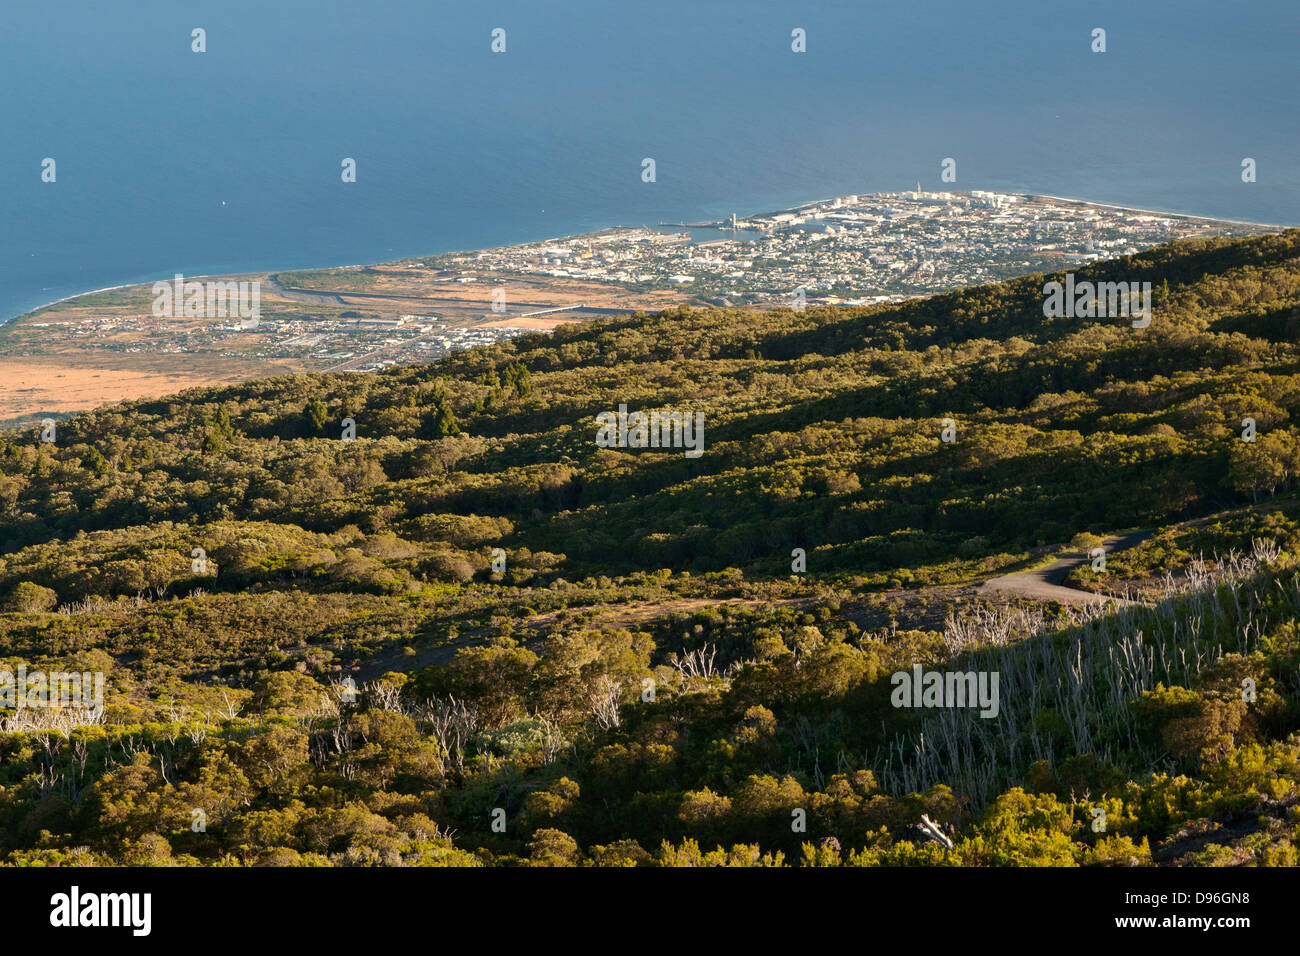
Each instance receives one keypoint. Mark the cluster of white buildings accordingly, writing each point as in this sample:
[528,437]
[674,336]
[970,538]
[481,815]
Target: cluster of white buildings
[858,248]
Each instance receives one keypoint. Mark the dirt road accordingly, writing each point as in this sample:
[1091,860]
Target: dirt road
[1044,584]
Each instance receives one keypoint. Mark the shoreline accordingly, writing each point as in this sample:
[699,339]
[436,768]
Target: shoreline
[1158,212]
[797,206]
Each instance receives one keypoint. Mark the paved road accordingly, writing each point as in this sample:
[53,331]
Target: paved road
[1043,584]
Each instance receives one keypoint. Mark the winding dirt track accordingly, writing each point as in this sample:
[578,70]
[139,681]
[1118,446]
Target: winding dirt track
[1043,584]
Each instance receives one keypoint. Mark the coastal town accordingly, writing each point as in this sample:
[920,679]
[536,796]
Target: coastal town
[850,250]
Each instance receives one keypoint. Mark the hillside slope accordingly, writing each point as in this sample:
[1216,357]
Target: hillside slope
[225,555]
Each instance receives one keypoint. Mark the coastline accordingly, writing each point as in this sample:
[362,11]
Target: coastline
[4,320]
[1160,212]
[68,298]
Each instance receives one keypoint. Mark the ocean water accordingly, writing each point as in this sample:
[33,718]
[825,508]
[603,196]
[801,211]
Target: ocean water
[457,147]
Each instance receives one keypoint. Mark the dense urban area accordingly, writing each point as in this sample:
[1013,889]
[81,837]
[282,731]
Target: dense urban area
[853,250]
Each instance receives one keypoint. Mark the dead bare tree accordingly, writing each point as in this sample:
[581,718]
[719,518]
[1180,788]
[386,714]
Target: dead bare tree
[1265,550]
[604,699]
[930,831]
[384,696]
[552,740]
[197,732]
[697,663]
[452,724]
[232,709]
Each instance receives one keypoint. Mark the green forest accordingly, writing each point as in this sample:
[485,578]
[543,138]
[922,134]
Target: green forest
[421,618]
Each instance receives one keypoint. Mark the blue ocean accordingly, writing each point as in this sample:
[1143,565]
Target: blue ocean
[169,160]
